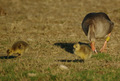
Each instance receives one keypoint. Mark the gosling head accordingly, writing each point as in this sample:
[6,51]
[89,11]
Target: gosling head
[76,46]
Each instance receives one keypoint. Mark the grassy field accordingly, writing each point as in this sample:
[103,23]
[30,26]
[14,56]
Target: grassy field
[51,27]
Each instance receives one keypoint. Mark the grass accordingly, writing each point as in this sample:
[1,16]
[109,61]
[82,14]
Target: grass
[8,72]
[51,27]
[103,56]
[30,74]
[104,74]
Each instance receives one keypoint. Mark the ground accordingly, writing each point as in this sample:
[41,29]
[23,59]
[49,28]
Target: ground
[51,27]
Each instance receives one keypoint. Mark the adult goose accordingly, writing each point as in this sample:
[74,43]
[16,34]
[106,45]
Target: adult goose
[97,25]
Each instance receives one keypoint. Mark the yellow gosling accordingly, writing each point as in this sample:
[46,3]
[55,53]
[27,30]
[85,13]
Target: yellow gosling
[83,51]
[18,47]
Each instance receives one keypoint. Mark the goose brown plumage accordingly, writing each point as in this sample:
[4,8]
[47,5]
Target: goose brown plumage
[97,25]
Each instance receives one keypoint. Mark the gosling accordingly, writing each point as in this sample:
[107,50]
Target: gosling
[83,51]
[18,47]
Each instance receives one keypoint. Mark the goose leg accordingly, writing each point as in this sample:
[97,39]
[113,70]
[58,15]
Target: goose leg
[103,49]
[93,47]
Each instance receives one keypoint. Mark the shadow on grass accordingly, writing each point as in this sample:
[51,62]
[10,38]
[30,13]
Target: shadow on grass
[69,46]
[5,57]
[76,60]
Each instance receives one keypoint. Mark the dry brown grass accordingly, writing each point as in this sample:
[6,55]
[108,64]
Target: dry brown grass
[51,27]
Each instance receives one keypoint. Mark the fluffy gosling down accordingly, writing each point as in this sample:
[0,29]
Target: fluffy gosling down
[83,51]
[18,47]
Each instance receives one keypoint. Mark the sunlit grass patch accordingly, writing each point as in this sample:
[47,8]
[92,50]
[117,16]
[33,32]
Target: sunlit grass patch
[86,75]
[110,74]
[104,56]
[101,74]
[8,72]
[4,42]
[31,74]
